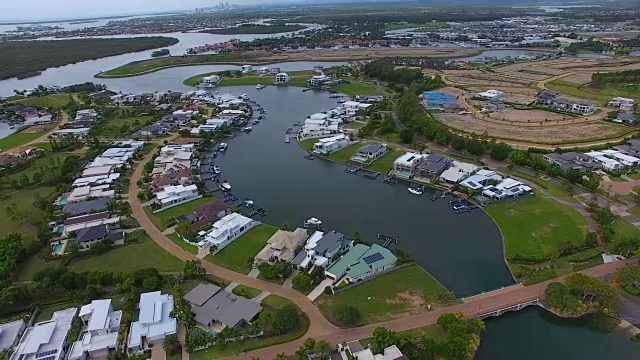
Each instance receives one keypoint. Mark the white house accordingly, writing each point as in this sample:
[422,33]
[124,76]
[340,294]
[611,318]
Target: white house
[331,144]
[154,323]
[48,337]
[369,153]
[263,70]
[246,69]
[622,103]
[85,192]
[282,78]
[490,95]
[507,188]
[405,166]
[319,124]
[480,178]
[10,333]
[80,132]
[172,195]
[226,230]
[211,80]
[606,162]
[318,80]
[457,171]
[624,159]
[100,325]
[173,149]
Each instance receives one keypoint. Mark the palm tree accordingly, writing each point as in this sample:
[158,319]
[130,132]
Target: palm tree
[323,348]
[171,344]
[280,356]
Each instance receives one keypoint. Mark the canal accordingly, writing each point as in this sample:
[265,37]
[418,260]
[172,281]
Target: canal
[464,251]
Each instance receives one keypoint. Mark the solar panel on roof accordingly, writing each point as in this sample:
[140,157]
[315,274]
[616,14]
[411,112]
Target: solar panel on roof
[370,259]
[46,353]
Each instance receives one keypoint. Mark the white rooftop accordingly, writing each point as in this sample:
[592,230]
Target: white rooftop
[155,319]
[46,337]
[9,332]
[408,158]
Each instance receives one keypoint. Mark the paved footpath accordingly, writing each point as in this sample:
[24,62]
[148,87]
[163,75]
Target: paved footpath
[319,327]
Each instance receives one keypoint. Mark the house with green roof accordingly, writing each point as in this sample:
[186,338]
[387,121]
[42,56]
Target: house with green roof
[361,262]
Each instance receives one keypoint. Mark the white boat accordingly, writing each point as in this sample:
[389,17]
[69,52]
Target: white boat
[216,169]
[225,185]
[248,202]
[312,222]
[247,129]
[244,97]
[416,191]
[256,122]
[341,100]
[222,147]
[260,86]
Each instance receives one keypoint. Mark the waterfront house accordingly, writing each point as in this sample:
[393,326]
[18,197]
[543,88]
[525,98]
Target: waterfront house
[457,171]
[206,214]
[282,78]
[245,69]
[331,144]
[226,230]
[507,188]
[10,334]
[318,80]
[177,194]
[211,80]
[369,153]
[217,308]
[48,337]
[406,165]
[282,246]
[481,178]
[369,98]
[273,71]
[100,326]
[263,70]
[320,248]
[357,351]
[154,321]
[361,262]
[432,166]
[319,124]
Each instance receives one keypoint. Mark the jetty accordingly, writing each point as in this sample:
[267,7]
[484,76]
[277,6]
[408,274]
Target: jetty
[390,180]
[444,193]
[287,135]
[351,170]
[388,240]
[371,175]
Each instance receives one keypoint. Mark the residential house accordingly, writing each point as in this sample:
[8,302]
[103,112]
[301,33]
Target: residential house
[369,98]
[432,166]
[318,80]
[46,339]
[361,262]
[331,144]
[406,165]
[321,248]
[83,193]
[212,306]
[624,117]
[10,334]
[457,171]
[99,171]
[282,246]
[22,152]
[356,351]
[170,177]
[273,71]
[547,97]
[612,160]
[583,107]
[6,161]
[76,133]
[206,214]
[282,78]
[572,161]
[495,105]
[211,80]
[481,178]
[631,148]
[622,103]
[439,100]
[84,221]
[153,130]
[226,230]
[177,194]
[100,325]
[154,321]
[88,236]
[96,180]
[624,159]
[318,125]
[507,188]
[369,153]
[86,207]
[263,70]
[490,95]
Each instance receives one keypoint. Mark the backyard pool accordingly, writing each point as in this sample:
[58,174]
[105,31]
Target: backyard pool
[57,249]
[63,201]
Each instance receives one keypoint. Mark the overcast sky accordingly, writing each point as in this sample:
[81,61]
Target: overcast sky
[73,9]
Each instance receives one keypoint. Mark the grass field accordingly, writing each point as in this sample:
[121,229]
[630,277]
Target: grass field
[602,96]
[150,65]
[45,312]
[236,255]
[17,139]
[398,293]
[246,291]
[384,164]
[551,188]
[635,211]
[535,227]
[24,201]
[31,265]
[42,145]
[299,78]
[307,144]
[623,228]
[357,88]
[41,164]
[52,102]
[272,301]
[163,217]
[113,127]
[145,253]
[183,244]
[343,155]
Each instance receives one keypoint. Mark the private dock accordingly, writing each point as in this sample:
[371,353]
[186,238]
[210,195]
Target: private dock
[351,170]
[309,156]
[388,240]
[371,175]
[444,193]
[390,180]
[287,135]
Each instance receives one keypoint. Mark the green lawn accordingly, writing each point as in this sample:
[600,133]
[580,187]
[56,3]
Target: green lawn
[53,102]
[176,356]
[145,253]
[246,291]
[355,87]
[31,265]
[388,296]
[623,228]
[535,227]
[551,188]
[183,244]
[307,144]
[635,211]
[42,145]
[343,155]
[235,348]
[114,127]
[45,312]
[161,219]
[354,125]
[235,256]
[602,96]
[24,201]
[385,163]
[299,78]
[40,164]
[17,139]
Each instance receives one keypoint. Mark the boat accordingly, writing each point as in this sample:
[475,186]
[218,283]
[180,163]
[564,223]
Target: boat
[244,97]
[312,222]
[256,122]
[341,100]
[297,123]
[260,86]
[458,207]
[248,203]
[416,190]
[216,169]
[225,185]
[334,95]
[222,147]
[247,129]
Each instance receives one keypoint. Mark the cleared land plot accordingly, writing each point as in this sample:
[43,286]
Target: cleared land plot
[41,164]
[528,116]
[24,202]
[384,164]
[547,133]
[116,126]
[236,255]
[45,312]
[161,219]
[535,227]
[357,88]
[52,102]
[399,293]
[602,96]
[623,228]
[343,155]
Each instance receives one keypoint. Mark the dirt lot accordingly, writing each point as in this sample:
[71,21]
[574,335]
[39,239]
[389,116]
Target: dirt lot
[548,133]
[528,116]
[37,128]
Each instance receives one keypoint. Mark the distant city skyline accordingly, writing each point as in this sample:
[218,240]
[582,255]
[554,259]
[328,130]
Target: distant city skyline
[41,10]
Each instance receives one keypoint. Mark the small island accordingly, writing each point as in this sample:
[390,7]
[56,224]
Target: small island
[161,52]
[255,29]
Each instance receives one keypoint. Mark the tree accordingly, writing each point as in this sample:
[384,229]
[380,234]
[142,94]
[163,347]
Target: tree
[348,315]
[406,136]
[72,248]
[322,348]
[302,281]
[285,226]
[280,356]
[357,237]
[171,344]
[185,230]
[285,320]
[629,279]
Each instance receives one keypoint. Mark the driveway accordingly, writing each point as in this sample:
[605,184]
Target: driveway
[158,353]
[319,289]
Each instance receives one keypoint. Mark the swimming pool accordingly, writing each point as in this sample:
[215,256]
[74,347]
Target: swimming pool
[57,249]
[63,201]
[60,229]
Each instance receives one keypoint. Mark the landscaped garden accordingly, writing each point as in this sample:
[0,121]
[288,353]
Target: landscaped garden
[239,255]
[405,291]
